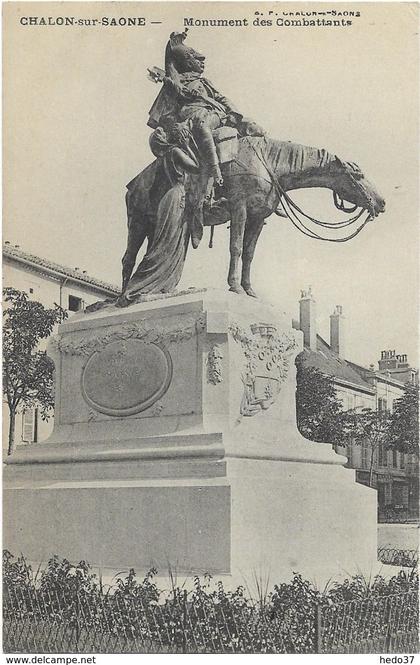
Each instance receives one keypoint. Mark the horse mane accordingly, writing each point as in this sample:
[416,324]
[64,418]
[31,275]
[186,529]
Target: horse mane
[286,155]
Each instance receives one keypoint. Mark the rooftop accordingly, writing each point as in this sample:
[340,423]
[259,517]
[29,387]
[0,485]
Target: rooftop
[331,364]
[13,252]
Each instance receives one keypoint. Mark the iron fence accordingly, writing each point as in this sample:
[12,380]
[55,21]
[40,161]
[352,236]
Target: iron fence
[45,620]
[387,624]
[397,557]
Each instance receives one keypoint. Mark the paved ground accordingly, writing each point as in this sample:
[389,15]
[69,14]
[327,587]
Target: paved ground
[400,536]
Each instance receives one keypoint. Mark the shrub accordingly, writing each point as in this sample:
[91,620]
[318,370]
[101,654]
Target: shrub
[135,615]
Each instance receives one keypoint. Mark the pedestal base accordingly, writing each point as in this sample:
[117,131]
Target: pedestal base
[241,517]
[175,446]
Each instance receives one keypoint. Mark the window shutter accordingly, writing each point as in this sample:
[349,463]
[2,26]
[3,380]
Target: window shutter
[28,426]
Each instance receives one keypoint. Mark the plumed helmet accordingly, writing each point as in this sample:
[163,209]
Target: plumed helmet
[180,58]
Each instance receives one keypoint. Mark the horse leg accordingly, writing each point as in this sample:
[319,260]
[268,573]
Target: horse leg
[137,232]
[237,228]
[252,233]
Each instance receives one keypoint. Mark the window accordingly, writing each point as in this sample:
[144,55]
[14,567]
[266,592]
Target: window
[382,456]
[75,304]
[365,456]
[402,461]
[395,459]
[30,425]
[382,404]
[399,495]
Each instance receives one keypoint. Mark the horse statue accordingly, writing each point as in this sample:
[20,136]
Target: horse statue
[256,183]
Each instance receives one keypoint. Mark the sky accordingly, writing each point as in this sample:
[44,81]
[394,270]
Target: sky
[76,103]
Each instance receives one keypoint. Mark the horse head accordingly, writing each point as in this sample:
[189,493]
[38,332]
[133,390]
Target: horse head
[352,186]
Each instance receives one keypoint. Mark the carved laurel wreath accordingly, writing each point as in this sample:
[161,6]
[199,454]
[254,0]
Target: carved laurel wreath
[156,335]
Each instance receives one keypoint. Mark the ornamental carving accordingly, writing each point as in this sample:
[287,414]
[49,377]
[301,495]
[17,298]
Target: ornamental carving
[126,377]
[92,415]
[215,364]
[149,335]
[157,409]
[267,357]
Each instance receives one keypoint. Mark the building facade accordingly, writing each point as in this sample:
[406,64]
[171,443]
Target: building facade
[48,283]
[395,475]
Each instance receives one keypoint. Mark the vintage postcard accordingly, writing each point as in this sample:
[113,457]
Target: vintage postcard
[210,347]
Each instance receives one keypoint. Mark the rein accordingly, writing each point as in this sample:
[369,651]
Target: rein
[293,211]
[340,204]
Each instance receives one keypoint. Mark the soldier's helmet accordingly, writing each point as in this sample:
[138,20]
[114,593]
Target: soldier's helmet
[180,57]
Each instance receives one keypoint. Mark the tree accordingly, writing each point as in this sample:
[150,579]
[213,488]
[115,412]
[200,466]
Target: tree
[27,371]
[368,427]
[404,428]
[319,412]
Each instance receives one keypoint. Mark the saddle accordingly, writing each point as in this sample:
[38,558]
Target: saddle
[226,142]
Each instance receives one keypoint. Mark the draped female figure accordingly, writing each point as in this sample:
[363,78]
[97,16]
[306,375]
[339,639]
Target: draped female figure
[161,267]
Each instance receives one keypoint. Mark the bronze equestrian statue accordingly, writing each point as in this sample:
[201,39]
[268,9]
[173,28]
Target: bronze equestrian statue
[251,197]
[250,185]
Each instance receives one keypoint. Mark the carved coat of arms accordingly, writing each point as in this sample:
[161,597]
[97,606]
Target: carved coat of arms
[267,364]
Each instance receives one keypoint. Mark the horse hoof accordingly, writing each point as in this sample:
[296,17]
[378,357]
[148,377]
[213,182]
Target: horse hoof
[237,289]
[122,301]
[251,292]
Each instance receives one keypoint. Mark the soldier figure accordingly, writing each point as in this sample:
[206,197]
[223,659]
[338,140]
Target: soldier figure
[191,98]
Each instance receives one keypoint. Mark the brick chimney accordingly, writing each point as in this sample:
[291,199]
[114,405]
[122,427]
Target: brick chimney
[307,319]
[337,332]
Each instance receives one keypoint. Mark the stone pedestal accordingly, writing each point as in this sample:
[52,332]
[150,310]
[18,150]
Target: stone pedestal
[175,445]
